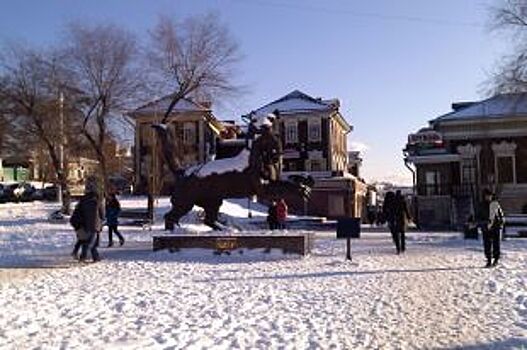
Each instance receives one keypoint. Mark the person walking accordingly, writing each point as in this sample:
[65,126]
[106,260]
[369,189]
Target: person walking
[272,219]
[401,217]
[388,212]
[281,213]
[113,209]
[491,219]
[80,233]
[91,216]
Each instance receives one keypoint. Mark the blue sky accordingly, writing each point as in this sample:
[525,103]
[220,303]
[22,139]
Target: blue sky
[394,64]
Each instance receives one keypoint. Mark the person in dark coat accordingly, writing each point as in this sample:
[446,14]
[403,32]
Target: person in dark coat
[401,217]
[113,209]
[91,210]
[491,220]
[371,215]
[388,212]
[272,219]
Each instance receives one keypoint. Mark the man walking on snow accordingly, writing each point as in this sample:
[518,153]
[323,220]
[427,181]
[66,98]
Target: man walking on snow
[491,223]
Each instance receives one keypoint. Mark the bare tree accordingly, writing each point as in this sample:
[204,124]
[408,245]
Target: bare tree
[510,17]
[101,59]
[193,58]
[30,88]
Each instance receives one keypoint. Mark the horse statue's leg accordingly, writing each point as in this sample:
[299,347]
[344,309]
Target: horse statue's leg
[212,209]
[178,210]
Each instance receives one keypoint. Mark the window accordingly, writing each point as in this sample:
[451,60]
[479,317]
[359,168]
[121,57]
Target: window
[505,162]
[189,134]
[315,130]
[505,169]
[432,183]
[291,133]
[468,171]
[316,165]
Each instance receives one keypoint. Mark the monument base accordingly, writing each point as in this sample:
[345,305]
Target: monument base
[299,244]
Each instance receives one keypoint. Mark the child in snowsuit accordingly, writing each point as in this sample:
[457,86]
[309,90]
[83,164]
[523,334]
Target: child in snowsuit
[281,213]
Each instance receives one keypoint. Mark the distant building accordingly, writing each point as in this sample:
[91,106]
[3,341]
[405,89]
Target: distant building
[354,163]
[313,134]
[195,129]
[476,146]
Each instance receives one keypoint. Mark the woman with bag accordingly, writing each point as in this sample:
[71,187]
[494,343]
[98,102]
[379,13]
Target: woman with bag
[87,221]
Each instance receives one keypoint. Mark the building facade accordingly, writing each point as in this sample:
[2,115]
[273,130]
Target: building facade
[478,145]
[195,130]
[313,134]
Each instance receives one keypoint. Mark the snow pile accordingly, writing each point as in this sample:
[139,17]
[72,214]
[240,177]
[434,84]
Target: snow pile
[434,296]
[220,166]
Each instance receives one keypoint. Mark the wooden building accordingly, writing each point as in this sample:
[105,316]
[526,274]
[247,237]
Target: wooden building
[476,146]
[195,129]
[313,134]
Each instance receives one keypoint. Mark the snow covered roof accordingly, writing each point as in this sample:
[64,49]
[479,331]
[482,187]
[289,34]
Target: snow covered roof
[297,102]
[499,106]
[161,105]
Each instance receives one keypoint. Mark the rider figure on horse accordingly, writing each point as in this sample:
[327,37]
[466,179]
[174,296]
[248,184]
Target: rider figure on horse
[266,152]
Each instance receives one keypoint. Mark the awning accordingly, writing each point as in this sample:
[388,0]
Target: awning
[434,158]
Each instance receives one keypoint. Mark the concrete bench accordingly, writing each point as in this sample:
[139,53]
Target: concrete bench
[515,223]
[299,244]
[135,217]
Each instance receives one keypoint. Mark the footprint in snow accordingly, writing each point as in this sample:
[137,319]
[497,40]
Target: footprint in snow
[493,286]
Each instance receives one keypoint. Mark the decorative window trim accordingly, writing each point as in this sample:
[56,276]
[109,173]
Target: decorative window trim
[314,123]
[469,153]
[504,149]
[290,136]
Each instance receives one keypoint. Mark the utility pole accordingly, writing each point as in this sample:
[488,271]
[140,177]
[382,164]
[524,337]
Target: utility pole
[61,147]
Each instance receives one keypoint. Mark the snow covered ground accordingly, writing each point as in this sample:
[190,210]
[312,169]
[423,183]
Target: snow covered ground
[436,296]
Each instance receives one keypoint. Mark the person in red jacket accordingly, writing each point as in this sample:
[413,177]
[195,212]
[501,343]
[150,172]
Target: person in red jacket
[281,213]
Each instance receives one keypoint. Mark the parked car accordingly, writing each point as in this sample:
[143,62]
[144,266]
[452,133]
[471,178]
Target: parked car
[50,193]
[10,192]
[25,192]
[2,194]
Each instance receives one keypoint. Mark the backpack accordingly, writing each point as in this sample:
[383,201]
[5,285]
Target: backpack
[76,218]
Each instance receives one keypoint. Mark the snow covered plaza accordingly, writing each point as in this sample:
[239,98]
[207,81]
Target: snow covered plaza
[436,296]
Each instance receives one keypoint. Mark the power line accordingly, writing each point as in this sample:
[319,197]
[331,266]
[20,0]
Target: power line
[360,14]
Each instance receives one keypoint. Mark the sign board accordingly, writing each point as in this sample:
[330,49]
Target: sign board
[425,138]
[348,228]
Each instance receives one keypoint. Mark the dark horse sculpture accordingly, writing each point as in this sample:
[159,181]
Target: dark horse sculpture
[254,171]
